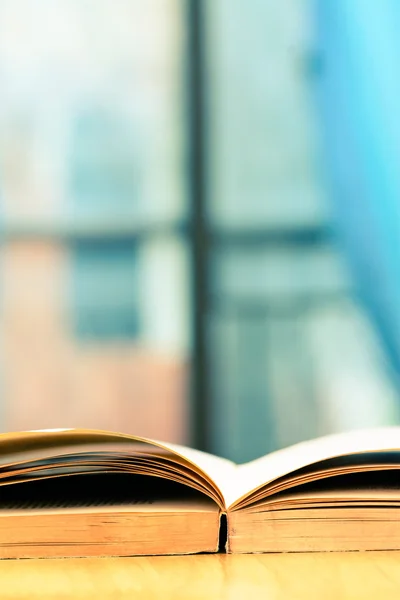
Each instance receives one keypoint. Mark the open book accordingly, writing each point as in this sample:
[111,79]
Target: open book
[94,493]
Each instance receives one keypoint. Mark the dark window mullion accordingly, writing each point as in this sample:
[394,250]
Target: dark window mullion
[200,398]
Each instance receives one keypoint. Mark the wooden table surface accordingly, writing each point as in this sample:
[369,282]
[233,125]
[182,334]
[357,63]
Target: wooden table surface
[367,575]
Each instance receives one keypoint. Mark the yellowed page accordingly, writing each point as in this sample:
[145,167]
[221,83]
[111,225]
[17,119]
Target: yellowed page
[215,472]
[221,471]
[349,497]
[262,471]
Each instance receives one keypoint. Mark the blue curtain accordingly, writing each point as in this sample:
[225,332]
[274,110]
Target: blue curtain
[359,99]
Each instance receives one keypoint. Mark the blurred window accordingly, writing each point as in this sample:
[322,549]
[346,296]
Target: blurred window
[105,303]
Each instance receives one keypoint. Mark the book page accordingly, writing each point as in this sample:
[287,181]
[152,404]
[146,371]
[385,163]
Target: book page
[262,471]
[192,464]
[221,471]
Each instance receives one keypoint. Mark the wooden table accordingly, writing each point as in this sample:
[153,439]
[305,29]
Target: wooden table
[320,576]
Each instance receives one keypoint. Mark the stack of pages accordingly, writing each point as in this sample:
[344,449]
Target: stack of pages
[94,493]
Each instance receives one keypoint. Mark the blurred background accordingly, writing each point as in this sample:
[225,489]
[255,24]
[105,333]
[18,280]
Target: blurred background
[200,218]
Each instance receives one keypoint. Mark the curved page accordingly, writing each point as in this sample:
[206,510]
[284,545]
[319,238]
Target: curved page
[261,473]
[50,453]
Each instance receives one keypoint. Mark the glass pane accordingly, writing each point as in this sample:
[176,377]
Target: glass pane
[261,124]
[289,345]
[105,290]
[94,307]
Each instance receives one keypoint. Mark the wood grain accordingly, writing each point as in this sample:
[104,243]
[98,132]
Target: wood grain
[330,576]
